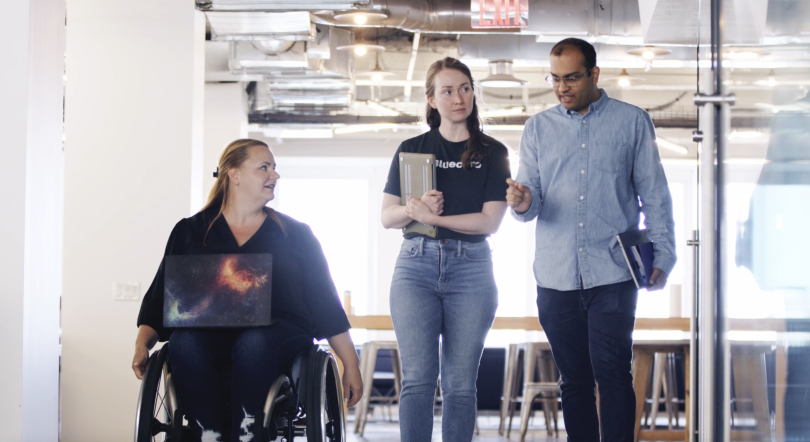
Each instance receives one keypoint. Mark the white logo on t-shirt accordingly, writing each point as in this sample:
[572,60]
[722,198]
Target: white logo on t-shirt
[455,164]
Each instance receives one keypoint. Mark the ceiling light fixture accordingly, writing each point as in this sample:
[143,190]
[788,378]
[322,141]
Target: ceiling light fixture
[378,74]
[361,48]
[649,52]
[501,74]
[624,79]
[359,17]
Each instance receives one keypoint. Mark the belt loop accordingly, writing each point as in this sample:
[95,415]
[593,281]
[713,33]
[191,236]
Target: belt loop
[458,253]
[421,245]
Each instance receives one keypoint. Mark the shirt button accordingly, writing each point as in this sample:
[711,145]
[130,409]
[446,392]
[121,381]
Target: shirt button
[584,121]
[583,145]
[581,197]
[580,249]
[580,224]
[582,171]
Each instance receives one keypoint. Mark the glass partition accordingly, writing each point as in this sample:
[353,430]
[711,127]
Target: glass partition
[764,215]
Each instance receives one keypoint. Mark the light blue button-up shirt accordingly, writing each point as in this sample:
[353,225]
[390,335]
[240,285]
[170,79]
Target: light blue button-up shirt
[590,177]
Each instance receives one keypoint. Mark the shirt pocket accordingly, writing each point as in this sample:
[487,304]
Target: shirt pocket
[609,156]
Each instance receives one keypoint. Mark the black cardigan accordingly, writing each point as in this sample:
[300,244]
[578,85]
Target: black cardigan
[303,291]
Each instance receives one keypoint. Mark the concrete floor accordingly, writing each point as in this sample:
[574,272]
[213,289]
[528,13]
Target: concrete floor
[384,427]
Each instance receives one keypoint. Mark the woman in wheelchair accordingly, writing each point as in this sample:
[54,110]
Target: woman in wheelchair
[305,304]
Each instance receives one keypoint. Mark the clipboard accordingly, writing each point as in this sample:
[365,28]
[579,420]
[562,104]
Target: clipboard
[417,175]
[638,253]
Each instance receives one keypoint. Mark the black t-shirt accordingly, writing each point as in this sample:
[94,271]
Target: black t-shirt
[464,191]
[303,291]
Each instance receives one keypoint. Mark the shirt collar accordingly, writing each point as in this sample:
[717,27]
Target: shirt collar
[596,106]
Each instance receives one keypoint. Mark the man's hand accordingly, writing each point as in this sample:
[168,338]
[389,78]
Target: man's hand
[434,200]
[418,211]
[518,196]
[658,280]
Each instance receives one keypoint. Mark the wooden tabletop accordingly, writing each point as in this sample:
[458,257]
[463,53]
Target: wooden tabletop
[531,323]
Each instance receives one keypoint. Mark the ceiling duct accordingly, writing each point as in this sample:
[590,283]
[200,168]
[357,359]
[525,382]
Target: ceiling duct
[284,5]
[311,59]
[294,25]
[675,22]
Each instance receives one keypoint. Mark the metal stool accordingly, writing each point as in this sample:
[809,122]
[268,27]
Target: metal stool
[368,360]
[530,391]
[522,359]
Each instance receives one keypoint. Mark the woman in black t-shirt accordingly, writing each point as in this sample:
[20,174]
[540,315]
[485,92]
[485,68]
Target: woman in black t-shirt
[445,287]
[305,304]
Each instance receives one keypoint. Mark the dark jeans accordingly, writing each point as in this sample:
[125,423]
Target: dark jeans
[591,337]
[256,356]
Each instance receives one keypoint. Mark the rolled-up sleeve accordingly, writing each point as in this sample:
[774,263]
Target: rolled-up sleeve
[529,172]
[650,183]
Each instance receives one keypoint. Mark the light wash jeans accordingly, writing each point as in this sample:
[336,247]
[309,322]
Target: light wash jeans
[441,288]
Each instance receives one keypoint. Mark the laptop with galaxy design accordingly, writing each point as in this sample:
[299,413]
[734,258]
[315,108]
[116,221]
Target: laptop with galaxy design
[232,290]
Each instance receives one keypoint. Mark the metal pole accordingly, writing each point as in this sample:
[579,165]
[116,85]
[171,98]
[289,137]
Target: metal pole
[694,407]
[706,311]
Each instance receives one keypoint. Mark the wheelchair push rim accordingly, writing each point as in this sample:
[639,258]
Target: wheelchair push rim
[326,422]
[153,419]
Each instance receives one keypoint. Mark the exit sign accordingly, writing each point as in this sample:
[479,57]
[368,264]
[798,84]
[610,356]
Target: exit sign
[490,14]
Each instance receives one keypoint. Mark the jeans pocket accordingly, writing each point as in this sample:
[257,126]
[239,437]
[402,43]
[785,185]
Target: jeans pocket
[408,250]
[478,252]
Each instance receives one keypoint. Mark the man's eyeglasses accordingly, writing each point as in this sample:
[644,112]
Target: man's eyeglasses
[570,81]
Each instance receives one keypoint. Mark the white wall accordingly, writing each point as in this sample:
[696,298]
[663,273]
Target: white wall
[225,120]
[31,178]
[132,169]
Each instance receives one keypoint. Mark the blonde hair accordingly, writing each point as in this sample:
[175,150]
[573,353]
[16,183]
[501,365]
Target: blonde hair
[233,157]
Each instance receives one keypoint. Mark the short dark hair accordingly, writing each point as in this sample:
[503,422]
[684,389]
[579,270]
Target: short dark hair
[586,49]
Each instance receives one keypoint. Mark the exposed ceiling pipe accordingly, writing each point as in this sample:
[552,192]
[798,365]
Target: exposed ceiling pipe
[411,66]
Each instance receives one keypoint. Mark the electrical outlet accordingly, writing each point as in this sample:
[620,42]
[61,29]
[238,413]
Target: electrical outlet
[127,291]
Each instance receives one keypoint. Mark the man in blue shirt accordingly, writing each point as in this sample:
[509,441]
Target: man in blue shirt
[588,168]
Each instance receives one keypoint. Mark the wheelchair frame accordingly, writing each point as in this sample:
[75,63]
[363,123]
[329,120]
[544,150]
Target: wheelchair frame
[307,402]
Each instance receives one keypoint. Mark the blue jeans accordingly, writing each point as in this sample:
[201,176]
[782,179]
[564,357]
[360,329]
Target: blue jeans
[255,356]
[441,288]
[591,337]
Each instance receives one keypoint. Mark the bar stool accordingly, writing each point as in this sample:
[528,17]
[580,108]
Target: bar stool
[368,361]
[522,360]
[530,392]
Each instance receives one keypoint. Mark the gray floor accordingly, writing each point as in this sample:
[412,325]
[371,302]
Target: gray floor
[383,427]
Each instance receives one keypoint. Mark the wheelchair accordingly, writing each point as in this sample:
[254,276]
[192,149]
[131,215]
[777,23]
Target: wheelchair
[306,402]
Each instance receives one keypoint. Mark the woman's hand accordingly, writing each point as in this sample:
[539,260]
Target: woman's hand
[140,360]
[418,211]
[147,338]
[352,385]
[434,200]
[343,347]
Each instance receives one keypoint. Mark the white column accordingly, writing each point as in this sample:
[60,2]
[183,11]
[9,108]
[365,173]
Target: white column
[31,181]
[226,120]
[133,154]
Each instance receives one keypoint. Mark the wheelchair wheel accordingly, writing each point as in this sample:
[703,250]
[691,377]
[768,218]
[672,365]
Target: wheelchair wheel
[324,404]
[156,401]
